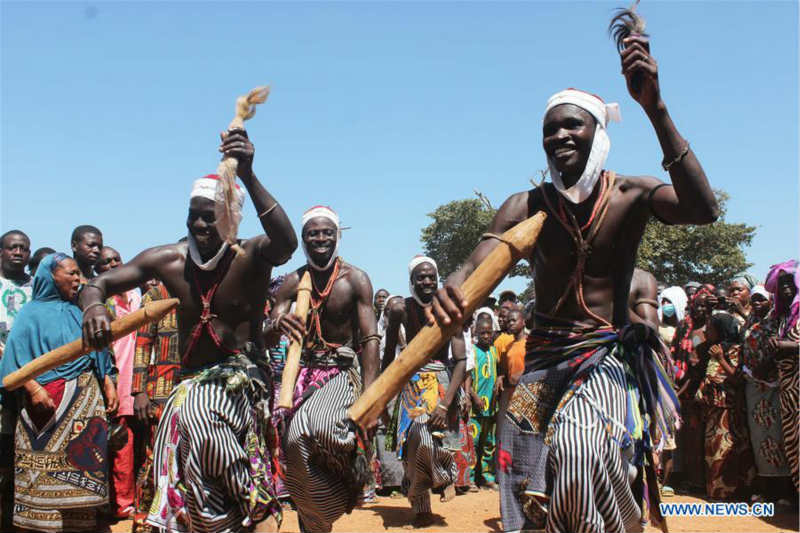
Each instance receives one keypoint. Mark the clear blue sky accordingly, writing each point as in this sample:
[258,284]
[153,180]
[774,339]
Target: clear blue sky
[381,110]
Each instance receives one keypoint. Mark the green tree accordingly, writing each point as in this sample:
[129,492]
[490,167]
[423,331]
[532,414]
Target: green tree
[709,254]
[456,230]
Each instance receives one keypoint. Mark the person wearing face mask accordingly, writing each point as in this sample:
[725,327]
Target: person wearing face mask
[428,422]
[64,408]
[326,464]
[671,311]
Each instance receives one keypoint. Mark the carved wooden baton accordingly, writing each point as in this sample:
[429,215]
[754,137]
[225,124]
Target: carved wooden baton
[516,243]
[292,367]
[151,312]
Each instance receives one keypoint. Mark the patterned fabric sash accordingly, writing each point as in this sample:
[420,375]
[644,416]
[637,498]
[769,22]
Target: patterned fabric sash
[561,357]
[240,376]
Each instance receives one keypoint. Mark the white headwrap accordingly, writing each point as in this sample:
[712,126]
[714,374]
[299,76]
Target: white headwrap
[603,113]
[206,187]
[677,296]
[418,260]
[759,289]
[324,212]
[487,311]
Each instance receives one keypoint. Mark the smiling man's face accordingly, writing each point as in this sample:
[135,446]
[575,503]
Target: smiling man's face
[568,133]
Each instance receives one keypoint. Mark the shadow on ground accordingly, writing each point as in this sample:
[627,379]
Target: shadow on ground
[394,517]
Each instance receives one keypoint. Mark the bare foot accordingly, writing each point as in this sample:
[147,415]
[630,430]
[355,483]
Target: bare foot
[268,525]
[448,493]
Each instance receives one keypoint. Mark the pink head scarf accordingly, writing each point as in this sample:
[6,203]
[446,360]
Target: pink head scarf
[789,267]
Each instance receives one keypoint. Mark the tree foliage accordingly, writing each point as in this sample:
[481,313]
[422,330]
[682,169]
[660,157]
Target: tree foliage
[709,254]
[456,230]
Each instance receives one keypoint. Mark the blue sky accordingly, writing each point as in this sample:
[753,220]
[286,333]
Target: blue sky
[382,110]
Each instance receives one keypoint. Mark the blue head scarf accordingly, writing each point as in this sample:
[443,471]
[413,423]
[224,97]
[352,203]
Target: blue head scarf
[45,323]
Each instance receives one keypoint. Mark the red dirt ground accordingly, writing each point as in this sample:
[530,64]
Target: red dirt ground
[480,512]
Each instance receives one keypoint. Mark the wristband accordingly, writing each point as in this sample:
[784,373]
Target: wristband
[93,305]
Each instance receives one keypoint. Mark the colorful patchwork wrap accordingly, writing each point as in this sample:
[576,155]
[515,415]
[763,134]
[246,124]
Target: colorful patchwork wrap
[574,452]
[429,460]
[327,465]
[62,469]
[211,463]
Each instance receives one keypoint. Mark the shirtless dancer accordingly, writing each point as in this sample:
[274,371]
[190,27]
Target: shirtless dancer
[568,454]
[326,464]
[427,424]
[209,471]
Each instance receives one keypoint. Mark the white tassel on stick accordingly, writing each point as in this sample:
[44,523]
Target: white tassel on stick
[226,209]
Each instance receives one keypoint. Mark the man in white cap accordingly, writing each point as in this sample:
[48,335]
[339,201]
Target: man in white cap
[211,463]
[569,455]
[326,460]
[428,416]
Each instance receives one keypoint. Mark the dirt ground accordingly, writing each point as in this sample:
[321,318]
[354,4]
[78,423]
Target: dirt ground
[480,512]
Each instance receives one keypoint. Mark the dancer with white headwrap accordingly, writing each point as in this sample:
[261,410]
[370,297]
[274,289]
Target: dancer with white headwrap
[211,455]
[426,420]
[327,463]
[572,451]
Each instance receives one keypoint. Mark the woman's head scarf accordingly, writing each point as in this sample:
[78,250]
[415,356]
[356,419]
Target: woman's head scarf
[45,323]
[788,267]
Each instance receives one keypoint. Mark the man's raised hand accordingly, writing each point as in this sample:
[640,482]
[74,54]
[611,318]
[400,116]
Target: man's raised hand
[638,63]
[236,144]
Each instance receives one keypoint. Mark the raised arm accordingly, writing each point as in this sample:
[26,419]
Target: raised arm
[448,302]
[143,267]
[280,241]
[396,312]
[690,199]
[367,327]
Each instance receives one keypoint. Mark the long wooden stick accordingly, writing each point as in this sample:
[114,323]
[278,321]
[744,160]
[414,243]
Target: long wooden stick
[151,312]
[292,367]
[516,243]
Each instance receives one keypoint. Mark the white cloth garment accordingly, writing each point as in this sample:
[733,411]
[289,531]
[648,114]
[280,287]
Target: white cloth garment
[601,144]
[415,262]
[322,211]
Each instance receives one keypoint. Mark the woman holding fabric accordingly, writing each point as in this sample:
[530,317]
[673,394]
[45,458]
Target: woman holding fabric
[762,397]
[729,459]
[783,281]
[61,435]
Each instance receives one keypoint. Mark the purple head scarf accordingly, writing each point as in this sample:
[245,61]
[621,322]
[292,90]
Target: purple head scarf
[789,267]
